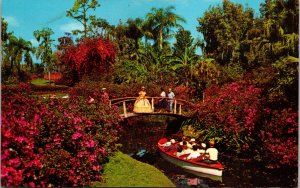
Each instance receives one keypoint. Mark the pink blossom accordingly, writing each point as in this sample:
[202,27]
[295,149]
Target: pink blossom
[90,143]
[76,135]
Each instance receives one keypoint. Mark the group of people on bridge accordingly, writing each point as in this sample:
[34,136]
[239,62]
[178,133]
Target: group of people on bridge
[142,104]
[189,149]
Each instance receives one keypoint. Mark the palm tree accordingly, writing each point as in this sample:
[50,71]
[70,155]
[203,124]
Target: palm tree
[44,49]
[161,21]
[134,30]
[16,49]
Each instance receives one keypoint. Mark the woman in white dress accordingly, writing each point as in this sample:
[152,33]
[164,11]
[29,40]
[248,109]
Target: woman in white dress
[142,104]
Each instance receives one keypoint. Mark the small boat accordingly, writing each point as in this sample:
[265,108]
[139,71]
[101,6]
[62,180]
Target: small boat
[193,165]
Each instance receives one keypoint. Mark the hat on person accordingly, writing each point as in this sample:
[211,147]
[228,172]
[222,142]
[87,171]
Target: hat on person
[172,141]
[143,87]
[104,88]
[193,140]
[203,145]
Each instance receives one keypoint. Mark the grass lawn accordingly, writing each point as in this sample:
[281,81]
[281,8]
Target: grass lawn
[40,82]
[124,171]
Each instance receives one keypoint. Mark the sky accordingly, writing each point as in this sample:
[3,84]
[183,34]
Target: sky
[26,16]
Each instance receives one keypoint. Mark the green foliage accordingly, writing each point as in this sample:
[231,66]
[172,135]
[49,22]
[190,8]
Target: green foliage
[184,40]
[137,74]
[233,71]
[183,65]
[15,52]
[123,171]
[79,12]
[161,21]
[223,28]
[285,86]
[44,50]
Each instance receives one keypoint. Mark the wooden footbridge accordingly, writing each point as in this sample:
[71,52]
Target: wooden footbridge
[181,108]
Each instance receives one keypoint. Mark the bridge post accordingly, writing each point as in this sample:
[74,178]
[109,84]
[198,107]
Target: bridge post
[124,108]
[109,103]
[152,103]
[179,109]
[175,105]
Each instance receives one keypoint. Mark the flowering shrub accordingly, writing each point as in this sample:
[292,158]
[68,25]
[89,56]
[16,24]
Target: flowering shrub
[279,138]
[183,92]
[54,142]
[92,55]
[237,118]
[229,114]
[54,76]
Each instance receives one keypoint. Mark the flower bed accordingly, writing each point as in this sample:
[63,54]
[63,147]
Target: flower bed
[54,142]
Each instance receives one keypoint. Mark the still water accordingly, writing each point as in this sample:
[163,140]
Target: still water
[139,138]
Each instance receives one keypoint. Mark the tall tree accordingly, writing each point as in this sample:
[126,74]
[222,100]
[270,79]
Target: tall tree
[17,48]
[162,20]
[223,28]
[44,50]
[99,27]
[184,40]
[79,12]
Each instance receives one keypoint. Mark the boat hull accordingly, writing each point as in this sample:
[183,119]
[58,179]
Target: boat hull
[211,169]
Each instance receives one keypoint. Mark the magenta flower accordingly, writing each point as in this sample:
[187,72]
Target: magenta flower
[76,135]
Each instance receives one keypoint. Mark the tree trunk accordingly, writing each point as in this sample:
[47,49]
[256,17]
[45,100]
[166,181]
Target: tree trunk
[160,38]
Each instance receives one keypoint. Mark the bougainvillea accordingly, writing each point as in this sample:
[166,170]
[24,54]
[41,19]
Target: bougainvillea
[279,137]
[54,142]
[237,117]
[92,55]
[229,114]
[54,76]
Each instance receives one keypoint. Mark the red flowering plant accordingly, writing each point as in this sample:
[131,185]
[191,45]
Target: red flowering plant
[279,137]
[229,114]
[183,92]
[90,56]
[55,142]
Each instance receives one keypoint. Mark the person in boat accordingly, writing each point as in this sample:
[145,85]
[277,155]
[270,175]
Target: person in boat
[182,140]
[190,142]
[172,147]
[169,143]
[185,148]
[211,154]
[142,104]
[180,151]
[194,154]
[202,148]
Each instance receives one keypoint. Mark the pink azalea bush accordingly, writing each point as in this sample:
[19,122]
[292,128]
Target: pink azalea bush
[54,142]
[237,117]
[229,114]
[279,138]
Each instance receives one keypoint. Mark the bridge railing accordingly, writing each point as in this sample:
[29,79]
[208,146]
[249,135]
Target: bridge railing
[180,107]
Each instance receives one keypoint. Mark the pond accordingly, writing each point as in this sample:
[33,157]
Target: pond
[139,139]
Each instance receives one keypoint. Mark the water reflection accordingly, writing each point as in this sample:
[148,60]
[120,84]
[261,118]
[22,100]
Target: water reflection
[139,139]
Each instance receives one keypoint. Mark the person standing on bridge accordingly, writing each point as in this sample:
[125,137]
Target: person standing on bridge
[171,97]
[142,104]
[162,104]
